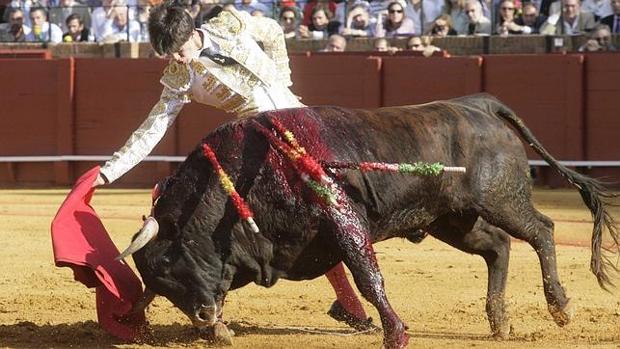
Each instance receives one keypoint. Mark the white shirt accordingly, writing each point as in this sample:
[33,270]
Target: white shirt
[600,8]
[44,36]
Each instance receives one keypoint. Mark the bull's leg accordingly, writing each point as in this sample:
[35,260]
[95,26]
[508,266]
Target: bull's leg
[353,241]
[526,223]
[492,244]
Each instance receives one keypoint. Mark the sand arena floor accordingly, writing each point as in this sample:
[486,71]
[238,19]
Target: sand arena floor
[438,291]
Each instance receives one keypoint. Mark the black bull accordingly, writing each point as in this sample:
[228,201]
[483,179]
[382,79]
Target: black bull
[202,249]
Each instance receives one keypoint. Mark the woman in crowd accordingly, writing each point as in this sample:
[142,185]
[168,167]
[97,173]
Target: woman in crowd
[442,27]
[395,23]
[288,21]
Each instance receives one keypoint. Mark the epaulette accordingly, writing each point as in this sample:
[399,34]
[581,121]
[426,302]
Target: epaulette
[228,23]
[177,77]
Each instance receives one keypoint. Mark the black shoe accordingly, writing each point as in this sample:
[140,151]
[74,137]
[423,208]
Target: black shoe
[339,313]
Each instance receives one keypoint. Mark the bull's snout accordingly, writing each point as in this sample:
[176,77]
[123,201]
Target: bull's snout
[205,315]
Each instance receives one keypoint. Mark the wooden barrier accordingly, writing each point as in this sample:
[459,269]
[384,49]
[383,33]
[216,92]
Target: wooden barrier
[349,81]
[547,92]
[90,106]
[36,117]
[602,125]
[112,98]
[409,80]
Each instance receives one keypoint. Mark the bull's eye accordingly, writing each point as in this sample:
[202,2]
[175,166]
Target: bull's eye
[165,260]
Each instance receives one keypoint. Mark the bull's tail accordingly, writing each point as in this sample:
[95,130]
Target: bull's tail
[594,194]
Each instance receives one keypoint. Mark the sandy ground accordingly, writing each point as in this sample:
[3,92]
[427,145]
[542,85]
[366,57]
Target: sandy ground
[438,291]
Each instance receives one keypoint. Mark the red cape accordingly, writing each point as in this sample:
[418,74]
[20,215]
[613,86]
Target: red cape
[81,242]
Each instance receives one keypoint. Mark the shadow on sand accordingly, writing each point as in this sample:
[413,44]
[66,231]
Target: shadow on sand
[88,334]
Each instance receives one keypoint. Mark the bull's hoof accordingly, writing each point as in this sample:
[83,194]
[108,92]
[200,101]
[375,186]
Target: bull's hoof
[562,316]
[339,313]
[217,334]
[401,341]
[502,332]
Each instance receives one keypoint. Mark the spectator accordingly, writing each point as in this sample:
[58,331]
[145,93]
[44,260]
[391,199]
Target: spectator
[101,15]
[442,27]
[456,10]
[613,21]
[358,22]
[250,6]
[529,22]
[322,26]
[599,8]
[335,43]
[288,22]
[42,30]
[507,17]
[345,7]
[600,40]
[117,27]
[423,13]
[25,6]
[573,21]
[15,30]
[477,24]
[309,8]
[58,15]
[383,45]
[76,31]
[422,44]
[395,24]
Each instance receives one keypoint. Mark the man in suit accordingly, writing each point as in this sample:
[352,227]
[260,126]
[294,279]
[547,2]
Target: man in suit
[574,21]
[530,21]
[613,21]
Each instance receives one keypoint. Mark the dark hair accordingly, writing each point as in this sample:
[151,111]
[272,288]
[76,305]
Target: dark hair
[38,8]
[288,9]
[170,26]
[325,9]
[72,17]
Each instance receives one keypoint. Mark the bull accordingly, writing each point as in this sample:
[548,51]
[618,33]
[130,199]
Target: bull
[194,248]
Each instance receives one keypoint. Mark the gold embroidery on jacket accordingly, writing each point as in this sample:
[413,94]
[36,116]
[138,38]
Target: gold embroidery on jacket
[176,76]
[159,108]
[226,23]
[198,67]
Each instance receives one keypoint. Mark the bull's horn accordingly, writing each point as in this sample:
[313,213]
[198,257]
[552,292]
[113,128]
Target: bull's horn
[147,233]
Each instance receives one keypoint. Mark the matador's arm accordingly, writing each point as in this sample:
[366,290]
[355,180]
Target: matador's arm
[176,81]
[269,32]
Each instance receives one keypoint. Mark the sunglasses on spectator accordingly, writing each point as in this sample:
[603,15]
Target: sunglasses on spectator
[395,11]
[288,19]
[508,8]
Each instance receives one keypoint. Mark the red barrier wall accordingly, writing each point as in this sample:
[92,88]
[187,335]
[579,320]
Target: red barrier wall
[602,93]
[546,91]
[36,117]
[50,110]
[349,81]
[408,80]
[112,98]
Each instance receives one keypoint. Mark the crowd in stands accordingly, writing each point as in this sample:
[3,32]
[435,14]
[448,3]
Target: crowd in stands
[419,20]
